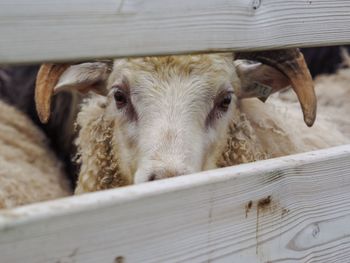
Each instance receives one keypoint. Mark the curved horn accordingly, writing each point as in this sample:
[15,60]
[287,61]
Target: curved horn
[292,64]
[46,80]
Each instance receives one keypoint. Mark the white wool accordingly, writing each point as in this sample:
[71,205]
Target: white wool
[29,171]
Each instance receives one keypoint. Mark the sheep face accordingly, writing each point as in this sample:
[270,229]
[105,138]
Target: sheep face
[170,113]
[160,117]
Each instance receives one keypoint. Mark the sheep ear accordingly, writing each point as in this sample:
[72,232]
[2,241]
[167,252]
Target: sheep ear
[84,78]
[259,80]
[53,78]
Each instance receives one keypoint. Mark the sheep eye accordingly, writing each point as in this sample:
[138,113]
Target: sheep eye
[120,99]
[225,102]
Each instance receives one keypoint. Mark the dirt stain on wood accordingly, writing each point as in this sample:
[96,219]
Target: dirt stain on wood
[119,259]
[263,205]
[248,206]
[284,212]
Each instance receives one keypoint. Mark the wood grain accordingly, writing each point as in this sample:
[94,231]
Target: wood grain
[52,30]
[291,209]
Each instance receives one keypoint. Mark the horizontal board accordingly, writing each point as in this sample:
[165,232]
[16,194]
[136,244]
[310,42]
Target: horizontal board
[48,30]
[291,209]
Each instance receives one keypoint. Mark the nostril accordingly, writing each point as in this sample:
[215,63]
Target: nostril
[152,177]
[166,173]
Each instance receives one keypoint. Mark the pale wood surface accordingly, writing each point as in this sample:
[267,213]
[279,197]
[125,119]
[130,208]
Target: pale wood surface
[292,209]
[72,29]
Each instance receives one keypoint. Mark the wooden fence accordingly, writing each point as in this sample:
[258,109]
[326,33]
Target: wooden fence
[290,209]
[44,30]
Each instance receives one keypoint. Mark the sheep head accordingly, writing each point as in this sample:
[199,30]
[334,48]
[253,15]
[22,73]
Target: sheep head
[171,114]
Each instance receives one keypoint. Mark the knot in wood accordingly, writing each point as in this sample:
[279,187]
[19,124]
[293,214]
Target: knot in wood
[256,4]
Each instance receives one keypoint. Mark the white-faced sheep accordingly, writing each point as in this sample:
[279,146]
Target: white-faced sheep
[29,171]
[158,117]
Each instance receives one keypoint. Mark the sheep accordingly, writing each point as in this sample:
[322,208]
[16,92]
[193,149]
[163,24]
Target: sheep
[336,96]
[29,171]
[17,85]
[158,117]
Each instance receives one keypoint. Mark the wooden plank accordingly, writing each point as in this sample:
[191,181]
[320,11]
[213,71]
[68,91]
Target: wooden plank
[292,209]
[69,29]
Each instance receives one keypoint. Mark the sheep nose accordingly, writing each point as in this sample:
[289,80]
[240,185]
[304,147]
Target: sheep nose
[152,177]
[162,174]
